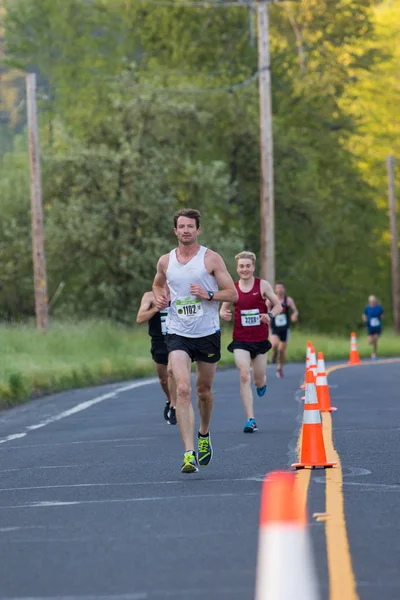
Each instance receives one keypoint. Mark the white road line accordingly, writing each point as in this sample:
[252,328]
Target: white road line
[122,484]
[43,467]
[139,439]
[78,408]
[56,503]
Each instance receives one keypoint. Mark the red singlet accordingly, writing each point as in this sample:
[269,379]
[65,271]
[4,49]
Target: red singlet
[249,306]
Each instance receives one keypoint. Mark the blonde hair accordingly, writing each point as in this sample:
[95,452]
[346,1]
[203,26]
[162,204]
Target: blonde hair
[245,254]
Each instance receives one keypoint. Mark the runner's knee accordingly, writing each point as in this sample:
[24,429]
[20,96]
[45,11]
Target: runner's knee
[203,391]
[183,391]
[244,376]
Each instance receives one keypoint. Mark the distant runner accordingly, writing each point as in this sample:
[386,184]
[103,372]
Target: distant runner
[372,317]
[280,327]
[250,332]
[148,312]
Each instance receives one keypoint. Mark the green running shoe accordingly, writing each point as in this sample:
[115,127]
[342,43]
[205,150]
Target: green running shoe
[205,450]
[190,464]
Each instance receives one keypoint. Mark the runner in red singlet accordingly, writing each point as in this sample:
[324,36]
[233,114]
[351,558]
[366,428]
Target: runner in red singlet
[250,332]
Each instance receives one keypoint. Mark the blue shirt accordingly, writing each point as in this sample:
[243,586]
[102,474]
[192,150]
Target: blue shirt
[373,314]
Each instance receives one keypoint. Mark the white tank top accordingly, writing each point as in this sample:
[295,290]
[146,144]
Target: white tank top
[190,316]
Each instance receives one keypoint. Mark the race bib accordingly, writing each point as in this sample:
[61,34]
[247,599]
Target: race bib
[163,317]
[281,320]
[375,322]
[189,308]
[250,318]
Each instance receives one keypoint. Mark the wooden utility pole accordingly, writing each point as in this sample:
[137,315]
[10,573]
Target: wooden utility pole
[394,243]
[39,261]
[267,211]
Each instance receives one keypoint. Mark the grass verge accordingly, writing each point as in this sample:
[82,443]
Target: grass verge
[73,355]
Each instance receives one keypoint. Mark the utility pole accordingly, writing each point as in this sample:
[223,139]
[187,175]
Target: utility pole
[394,243]
[39,261]
[267,209]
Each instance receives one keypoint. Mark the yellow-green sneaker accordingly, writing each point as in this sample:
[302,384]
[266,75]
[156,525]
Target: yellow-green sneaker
[205,449]
[189,463]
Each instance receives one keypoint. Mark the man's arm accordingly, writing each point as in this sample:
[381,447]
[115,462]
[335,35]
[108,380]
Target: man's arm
[147,308]
[293,307]
[364,316]
[159,283]
[216,266]
[271,299]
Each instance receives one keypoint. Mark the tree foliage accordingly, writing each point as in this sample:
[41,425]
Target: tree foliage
[146,108]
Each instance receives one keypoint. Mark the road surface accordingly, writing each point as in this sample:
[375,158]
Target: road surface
[93,505]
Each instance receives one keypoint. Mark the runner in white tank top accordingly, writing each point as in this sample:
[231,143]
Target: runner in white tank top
[198,280]
[190,316]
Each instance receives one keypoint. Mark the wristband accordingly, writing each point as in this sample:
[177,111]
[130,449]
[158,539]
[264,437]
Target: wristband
[210,295]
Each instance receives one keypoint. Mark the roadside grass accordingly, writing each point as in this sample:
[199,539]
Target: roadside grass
[74,355]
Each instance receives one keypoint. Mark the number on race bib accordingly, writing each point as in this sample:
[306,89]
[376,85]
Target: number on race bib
[281,320]
[189,308]
[375,322]
[250,318]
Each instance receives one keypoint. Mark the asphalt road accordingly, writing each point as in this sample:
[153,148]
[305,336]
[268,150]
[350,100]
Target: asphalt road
[93,504]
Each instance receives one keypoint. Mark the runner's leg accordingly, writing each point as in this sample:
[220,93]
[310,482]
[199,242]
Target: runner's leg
[205,400]
[172,395]
[282,354]
[181,366]
[375,343]
[242,361]
[259,366]
[275,347]
[162,372]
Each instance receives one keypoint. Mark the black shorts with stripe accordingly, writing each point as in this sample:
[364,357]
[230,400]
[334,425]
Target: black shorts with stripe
[203,349]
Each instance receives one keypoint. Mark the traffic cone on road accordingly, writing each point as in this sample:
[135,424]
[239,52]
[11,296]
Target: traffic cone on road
[285,566]
[323,395]
[354,356]
[308,355]
[313,361]
[312,440]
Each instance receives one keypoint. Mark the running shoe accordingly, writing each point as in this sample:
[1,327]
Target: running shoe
[205,449]
[261,391]
[190,464]
[172,416]
[279,373]
[166,410]
[373,357]
[250,426]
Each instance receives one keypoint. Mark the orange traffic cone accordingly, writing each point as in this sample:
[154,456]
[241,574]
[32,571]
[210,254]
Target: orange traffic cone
[312,446]
[284,543]
[308,355]
[313,361]
[323,395]
[354,356]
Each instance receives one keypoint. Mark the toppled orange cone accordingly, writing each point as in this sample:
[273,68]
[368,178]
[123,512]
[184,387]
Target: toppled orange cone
[312,443]
[323,395]
[285,567]
[354,356]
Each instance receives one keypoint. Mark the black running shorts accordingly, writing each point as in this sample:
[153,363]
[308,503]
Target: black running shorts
[283,334]
[159,352]
[255,348]
[203,349]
